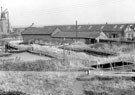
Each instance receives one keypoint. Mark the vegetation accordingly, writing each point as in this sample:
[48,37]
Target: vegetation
[114,47]
[36,83]
[39,65]
[115,86]
[11,93]
[52,83]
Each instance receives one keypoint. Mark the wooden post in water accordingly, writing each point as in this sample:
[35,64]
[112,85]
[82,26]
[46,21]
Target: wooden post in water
[97,66]
[110,44]
[64,51]
[123,65]
[40,53]
[112,67]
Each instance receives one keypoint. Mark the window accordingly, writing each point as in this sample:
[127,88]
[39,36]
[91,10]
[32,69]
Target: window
[131,25]
[68,27]
[102,27]
[115,26]
[114,35]
[90,27]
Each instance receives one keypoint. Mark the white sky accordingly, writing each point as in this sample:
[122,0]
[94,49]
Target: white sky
[56,12]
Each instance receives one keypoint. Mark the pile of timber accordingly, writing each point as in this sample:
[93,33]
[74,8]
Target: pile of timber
[89,50]
[126,68]
[77,49]
[99,52]
[45,53]
[16,51]
[116,66]
[15,48]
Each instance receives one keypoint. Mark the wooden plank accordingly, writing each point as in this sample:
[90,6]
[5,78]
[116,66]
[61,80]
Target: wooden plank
[109,74]
[88,50]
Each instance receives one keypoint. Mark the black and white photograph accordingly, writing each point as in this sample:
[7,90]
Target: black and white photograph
[67,47]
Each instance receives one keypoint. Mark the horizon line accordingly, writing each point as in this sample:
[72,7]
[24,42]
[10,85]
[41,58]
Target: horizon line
[23,26]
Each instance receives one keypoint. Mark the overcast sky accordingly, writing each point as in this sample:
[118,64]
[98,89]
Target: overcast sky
[56,12]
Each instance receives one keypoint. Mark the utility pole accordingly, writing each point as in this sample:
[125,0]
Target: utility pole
[76,30]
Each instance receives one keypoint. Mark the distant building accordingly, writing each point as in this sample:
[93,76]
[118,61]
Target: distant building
[86,37]
[87,33]
[130,32]
[37,34]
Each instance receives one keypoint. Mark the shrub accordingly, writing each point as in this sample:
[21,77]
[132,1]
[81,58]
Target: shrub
[4,35]
[38,65]
[11,93]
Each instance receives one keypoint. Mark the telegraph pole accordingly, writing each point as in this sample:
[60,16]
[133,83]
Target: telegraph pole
[76,30]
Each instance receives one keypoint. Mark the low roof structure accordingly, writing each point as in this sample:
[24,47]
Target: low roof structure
[80,28]
[114,27]
[39,30]
[79,34]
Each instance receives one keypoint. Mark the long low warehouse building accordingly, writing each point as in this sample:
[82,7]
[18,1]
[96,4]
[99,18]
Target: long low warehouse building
[86,33]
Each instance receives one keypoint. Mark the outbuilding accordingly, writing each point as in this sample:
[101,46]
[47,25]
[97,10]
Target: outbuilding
[86,33]
[86,37]
[35,34]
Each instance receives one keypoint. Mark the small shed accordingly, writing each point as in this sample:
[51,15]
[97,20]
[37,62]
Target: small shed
[38,33]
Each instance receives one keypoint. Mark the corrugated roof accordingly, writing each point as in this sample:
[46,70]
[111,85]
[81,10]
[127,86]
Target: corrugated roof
[79,34]
[96,27]
[65,28]
[114,27]
[80,28]
[40,30]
